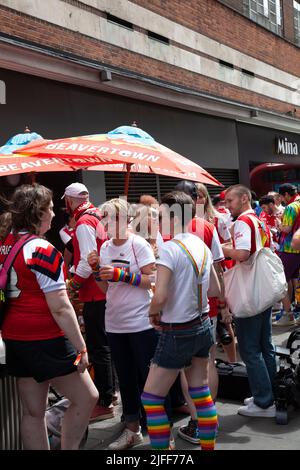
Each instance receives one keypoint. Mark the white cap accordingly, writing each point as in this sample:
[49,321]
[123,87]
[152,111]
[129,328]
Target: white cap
[76,190]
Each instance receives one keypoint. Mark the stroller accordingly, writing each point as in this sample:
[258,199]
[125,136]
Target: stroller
[58,405]
[287,380]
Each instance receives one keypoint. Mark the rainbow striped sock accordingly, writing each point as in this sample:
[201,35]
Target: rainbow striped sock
[207,416]
[157,421]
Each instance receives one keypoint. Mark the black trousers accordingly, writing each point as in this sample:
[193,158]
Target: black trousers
[98,349]
[132,354]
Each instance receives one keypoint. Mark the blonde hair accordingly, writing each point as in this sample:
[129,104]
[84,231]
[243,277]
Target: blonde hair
[148,200]
[209,210]
[116,205]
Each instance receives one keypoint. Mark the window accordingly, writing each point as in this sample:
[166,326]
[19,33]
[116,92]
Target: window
[267,13]
[158,37]
[119,21]
[297,21]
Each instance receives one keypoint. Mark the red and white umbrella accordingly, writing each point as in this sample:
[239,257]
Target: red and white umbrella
[126,145]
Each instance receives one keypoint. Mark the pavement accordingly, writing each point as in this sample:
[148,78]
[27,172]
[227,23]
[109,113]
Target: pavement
[235,432]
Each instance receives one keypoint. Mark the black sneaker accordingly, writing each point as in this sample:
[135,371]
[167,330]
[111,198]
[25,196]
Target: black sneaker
[190,432]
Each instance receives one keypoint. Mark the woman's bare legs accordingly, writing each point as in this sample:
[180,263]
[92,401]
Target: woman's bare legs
[83,395]
[213,378]
[187,397]
[33,396]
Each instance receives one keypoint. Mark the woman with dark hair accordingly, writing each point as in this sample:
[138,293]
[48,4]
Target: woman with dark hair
[5,224]
[43,341]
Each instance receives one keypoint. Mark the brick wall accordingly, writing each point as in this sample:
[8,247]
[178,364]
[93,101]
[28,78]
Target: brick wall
[288,20]
[235,4]
[213,19]
[217,20]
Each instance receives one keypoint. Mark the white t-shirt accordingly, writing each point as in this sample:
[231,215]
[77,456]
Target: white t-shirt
[242,235]
[243,231]
[182,303]
[222,227]
[216,247]
[127,306]
[65,234]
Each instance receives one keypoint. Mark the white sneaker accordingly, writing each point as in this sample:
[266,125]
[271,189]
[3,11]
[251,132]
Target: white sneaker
[287,319]
[127,439]
[253,410]
[248,400]
[172,444]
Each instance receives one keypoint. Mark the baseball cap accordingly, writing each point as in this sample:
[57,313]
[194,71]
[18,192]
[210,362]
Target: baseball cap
[187,187]
[76,190]
[222,195]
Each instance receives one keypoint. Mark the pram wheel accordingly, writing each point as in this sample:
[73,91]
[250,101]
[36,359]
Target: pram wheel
[281,413]
[281,417]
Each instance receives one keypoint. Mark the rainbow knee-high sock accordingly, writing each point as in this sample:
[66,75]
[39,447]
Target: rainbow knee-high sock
[157,421]
[207,416]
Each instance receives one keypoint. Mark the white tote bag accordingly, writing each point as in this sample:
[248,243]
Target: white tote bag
[256,284]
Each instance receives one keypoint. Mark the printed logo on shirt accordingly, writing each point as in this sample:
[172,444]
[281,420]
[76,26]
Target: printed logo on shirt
[5,249]
[238,235]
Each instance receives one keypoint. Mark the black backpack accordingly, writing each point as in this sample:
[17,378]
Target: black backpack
[293,341]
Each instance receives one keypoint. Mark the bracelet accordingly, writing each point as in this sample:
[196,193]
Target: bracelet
[134,279]
[96,271]
[96,274]
[74,285]
[78,358]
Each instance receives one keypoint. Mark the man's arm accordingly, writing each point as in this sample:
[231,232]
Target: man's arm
[86,237]
[296,240]
[161,294]
[236,254]
[241,234]
[288,219]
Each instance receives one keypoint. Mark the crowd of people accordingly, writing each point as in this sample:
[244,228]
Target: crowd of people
[150,279]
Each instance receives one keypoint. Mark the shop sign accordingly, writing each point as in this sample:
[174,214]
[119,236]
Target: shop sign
[2,92]
[284,147]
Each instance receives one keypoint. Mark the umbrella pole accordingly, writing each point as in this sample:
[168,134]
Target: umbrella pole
[127,178]
[32,177]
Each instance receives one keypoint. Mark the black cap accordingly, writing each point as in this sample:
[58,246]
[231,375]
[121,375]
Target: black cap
[287,188]
[187,187]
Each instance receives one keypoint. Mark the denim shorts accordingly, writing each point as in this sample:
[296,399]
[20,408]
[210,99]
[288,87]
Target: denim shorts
[176,348]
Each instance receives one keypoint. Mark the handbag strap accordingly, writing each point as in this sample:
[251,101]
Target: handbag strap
[256,225]
[15,249]
[198,273]
[10,258]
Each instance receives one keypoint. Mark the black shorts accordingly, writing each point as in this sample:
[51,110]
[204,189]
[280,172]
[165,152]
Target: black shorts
[42,359]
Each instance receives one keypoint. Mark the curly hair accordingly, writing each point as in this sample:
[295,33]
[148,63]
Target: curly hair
[5,225]
[27,206]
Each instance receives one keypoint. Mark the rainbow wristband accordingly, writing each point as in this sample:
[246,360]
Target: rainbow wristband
[133,279]
[74,285]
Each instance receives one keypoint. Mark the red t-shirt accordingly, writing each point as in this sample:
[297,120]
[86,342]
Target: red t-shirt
[208,233]
[37,269]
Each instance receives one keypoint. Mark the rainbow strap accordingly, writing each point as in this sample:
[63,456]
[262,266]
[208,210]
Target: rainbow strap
[199,273]
[120,275]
